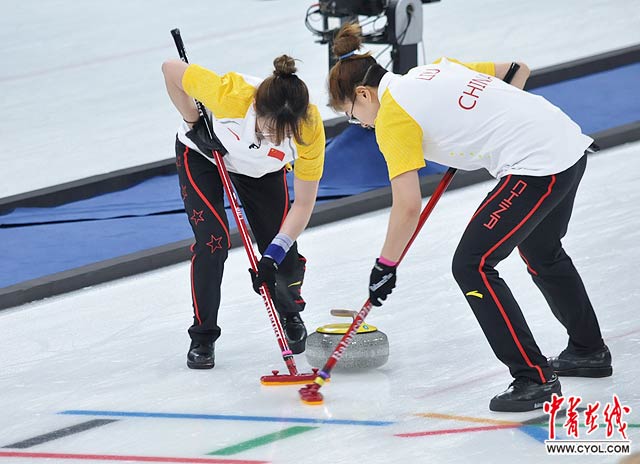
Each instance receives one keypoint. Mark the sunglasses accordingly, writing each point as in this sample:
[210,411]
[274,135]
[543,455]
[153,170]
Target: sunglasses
[351,119]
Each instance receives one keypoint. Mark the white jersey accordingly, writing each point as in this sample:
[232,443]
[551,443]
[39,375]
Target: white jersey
[229,102]
[247,155]
[456,115]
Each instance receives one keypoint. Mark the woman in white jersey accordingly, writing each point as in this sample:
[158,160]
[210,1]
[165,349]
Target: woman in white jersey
[261,126]
[463,115]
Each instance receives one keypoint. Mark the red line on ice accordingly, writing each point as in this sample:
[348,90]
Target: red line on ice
[467,429]
[111,457]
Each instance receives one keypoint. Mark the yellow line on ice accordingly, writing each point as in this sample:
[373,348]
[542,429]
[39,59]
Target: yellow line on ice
[433,415]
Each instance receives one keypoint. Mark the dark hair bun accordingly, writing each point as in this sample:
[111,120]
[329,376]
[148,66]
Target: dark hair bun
[348,39]
[284,66]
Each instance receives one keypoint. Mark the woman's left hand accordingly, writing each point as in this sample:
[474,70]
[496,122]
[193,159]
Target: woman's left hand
[382,281]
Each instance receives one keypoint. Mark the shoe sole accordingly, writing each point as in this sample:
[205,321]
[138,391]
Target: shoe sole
[192,365]
[591,372]
[516,406]
[499,405]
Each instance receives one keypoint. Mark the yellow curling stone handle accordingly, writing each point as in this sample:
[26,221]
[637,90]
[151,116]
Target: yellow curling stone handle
[342,328]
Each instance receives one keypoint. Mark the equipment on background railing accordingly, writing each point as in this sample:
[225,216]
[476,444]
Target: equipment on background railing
[401,27]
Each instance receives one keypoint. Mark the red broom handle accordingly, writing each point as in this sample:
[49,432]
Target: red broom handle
[287,355]
[325,373]
[339,350]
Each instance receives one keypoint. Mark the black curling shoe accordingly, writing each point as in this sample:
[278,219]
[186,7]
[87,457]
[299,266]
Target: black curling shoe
[294,331]
[525,395]
[200,356]
[597,364]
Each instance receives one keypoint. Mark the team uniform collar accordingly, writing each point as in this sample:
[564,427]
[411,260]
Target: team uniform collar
[386,80]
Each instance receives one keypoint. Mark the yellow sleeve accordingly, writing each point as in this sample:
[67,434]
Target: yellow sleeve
[227,96]
[399,137]
[310,161]
[485,67]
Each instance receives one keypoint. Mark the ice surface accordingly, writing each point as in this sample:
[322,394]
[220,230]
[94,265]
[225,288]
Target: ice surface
[82,94]
[121,347]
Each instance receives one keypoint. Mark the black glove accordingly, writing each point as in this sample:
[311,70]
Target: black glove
[200,136]
[382,281]
[266,274]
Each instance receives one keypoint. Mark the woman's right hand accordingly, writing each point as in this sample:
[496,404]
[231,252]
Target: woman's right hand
[207,145]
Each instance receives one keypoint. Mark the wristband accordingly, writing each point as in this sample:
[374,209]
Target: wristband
[278,247]
[190,122]
[387,262]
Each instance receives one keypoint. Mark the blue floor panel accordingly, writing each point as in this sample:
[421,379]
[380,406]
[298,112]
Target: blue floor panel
[598,101]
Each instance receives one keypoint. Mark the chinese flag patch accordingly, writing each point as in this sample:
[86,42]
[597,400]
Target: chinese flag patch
[279,155]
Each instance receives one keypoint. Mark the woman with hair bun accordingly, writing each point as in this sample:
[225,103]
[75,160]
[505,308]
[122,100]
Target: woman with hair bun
[465,116]
[261,127]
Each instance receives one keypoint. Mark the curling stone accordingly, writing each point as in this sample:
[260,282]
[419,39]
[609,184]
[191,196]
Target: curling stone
[369,348]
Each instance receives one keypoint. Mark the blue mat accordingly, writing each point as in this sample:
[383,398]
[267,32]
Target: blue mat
[598,101]
[35,242]
[36,251]
[158,195]
[161,195]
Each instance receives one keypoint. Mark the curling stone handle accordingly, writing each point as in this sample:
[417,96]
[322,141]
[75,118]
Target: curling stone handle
[344,313]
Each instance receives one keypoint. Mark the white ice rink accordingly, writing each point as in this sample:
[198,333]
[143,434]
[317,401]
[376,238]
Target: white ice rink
[82,94]
[121,347]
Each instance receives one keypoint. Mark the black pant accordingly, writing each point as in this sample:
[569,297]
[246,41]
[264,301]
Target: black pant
[266,202]
[531,213]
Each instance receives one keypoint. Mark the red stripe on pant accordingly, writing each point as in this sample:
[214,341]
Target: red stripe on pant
[202,197]
[212,209]
[493,293]
[526,261]
[286,197]
[489,200]
[193,290]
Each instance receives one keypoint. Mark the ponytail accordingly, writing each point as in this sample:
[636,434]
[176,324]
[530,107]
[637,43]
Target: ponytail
[282,99]
[352,69]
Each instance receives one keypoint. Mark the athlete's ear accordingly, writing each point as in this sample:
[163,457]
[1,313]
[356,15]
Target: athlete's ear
[364,91]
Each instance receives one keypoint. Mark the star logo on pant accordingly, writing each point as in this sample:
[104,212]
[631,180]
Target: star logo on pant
[215,244]
[197,217]
[178,161]
[183,192]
